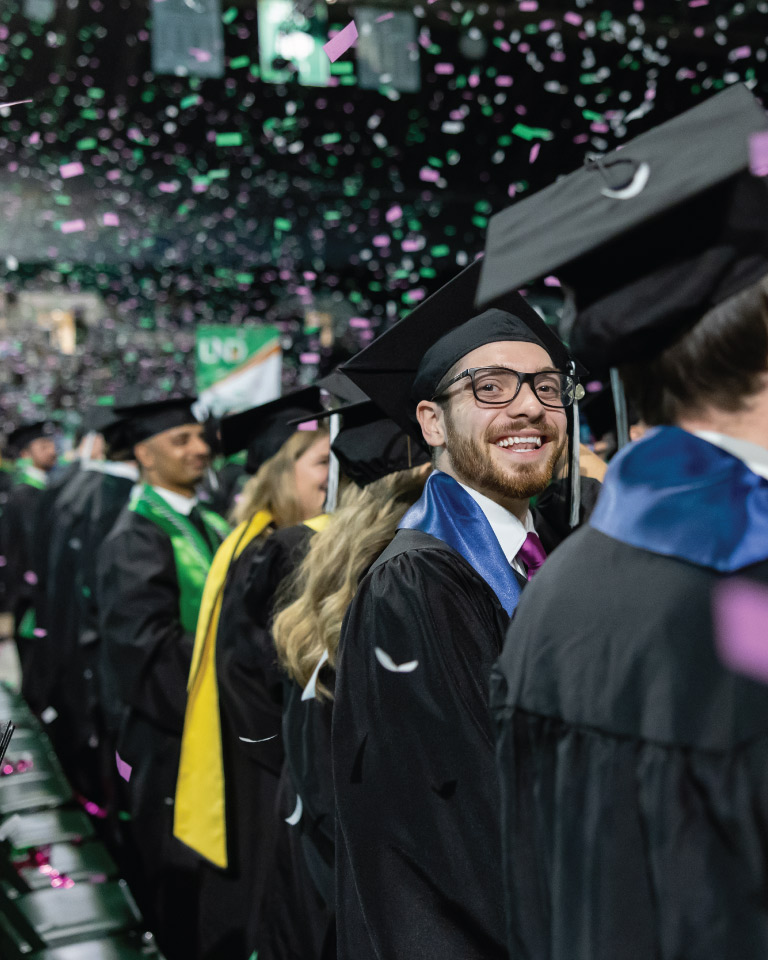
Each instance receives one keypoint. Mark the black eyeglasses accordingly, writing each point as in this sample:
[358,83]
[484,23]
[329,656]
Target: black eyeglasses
[496,386]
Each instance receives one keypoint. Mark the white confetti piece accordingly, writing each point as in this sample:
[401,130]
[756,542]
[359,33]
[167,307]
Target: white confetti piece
[263,740]
[310,690]
[49,714]
[296,815]
[389,664]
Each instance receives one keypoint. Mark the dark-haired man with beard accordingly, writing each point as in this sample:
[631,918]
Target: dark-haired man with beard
[418,864]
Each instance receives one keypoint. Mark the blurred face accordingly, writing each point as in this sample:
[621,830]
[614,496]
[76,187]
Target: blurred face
[175,459]
[311,477]
[42,453]
[508,452]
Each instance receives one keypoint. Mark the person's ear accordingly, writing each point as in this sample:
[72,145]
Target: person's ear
[432,422]
[143,453]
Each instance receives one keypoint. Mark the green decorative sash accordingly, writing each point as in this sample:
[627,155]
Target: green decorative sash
[192,553]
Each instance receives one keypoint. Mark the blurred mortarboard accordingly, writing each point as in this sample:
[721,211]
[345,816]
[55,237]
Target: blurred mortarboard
[369,445]
[264,429]
[150,418]
[114,427]
[25,433]
[647,238]
[406,363]
[342,388]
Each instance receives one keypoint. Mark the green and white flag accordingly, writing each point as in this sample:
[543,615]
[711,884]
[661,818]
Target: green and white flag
[237,367]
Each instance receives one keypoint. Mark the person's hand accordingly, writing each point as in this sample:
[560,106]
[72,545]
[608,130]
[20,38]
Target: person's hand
[590,464]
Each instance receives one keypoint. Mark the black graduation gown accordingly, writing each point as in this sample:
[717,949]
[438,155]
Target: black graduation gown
[418,842]
[250,702]
[633,766]
[55,679]
[18,543]
[145,660]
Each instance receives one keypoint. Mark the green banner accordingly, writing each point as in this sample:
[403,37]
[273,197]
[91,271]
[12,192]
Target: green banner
[237,367]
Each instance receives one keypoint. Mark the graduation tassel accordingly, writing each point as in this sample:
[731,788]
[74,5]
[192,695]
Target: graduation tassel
[575,467]
[333,466]
[620,406]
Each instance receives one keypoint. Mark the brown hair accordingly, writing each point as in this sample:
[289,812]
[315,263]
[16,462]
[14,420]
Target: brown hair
[720,362]
[323,586]
[273,487]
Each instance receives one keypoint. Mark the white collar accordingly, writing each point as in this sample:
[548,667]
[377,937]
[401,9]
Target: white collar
[755,456]
[510,532]
[36,473]
[113,468]
[180,503]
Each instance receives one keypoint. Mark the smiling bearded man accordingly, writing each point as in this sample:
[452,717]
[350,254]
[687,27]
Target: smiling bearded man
[418,835]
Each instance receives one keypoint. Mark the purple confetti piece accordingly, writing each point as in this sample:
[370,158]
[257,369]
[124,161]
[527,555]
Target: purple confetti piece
[3,561]
[741,627]
[394,213]
[72,226]
[34,138]
[534,152]
[382,240]
[307,425]
[551,282]
[31,577]
[384,16]
[528,6]
[429,175]
[202,56]
[504,81]
[111,220]
[338,45]
[359,323]
[739,53]
[124,769]
[309,358]
[758,153]
[444,69]
[40,632]
[572,18]
[67,170]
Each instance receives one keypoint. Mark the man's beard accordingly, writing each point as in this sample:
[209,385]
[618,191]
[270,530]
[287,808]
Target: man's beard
[473,463]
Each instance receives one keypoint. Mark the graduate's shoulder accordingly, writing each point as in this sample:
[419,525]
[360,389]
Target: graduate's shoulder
[612,637]
[132,529]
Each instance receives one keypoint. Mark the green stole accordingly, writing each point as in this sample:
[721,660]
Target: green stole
[192,553]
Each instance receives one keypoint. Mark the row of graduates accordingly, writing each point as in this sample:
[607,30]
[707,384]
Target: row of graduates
[467,764]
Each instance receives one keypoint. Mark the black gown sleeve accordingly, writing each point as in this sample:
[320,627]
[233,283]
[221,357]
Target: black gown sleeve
[147,653]
[418,839]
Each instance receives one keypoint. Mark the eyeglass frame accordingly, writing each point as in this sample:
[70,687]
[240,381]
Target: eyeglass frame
[522,378]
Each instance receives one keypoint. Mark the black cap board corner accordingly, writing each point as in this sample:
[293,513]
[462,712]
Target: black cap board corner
[647,238]
[262,430]
[149,418]
[25,433]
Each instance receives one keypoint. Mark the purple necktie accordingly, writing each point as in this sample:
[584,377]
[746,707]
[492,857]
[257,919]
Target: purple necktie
[532,553]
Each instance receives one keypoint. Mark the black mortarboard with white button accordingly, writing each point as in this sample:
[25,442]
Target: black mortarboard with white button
[648,238]
[262,430]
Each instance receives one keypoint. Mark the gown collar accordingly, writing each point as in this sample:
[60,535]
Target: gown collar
[676,494]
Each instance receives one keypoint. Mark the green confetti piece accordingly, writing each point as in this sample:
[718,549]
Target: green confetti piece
[89,143]
[218,174]
[190,101]
[239,62]
[435,162]
[96,93]
[531,133]
[481,222]
[280,223]
[229,15]
[62,199]
[349,81]
[341,67]
[591,115]
[255,70]
[330,138]
[332,215]
[244,277]
[229,139]
[442,250]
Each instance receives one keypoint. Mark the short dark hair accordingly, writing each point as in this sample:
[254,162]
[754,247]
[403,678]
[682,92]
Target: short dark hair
[720,362]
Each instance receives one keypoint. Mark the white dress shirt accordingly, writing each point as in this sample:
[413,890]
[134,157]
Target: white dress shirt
[113,468]
[180,503]
[36,473]
[755,456]
[509,531]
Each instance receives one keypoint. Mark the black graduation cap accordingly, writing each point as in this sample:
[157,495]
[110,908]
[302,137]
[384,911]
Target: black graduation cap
[406,363]
[150,418]
[25,433]
[116,428]
[647,238]
[341,387]
[369,445]
[264,429]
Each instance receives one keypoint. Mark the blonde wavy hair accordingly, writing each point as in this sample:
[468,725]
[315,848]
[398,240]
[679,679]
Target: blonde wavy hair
[316,598]
[273,486]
